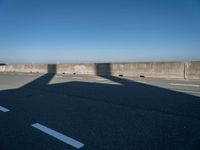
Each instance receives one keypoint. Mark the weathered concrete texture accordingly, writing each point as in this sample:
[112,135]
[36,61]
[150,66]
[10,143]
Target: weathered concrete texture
[76,69]
[24,68]
[150,69]
[192,70]
[180,70]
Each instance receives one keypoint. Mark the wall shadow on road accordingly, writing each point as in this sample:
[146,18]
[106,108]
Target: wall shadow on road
[146,116]
[43,80]
[148,97]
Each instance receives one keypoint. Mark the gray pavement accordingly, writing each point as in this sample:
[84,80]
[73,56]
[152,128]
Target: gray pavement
[51,111]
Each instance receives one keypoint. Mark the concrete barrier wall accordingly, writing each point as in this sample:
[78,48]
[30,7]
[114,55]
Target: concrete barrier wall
[76,68]
[150,69]
[192,70]
[24,68]
[181,70]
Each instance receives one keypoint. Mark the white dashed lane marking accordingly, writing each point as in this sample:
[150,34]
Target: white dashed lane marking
[141,81]
[100,79]
[78,78]
[191,85]
[59,136]
[3,109]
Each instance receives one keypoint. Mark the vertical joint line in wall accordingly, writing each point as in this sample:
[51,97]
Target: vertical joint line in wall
[184,73]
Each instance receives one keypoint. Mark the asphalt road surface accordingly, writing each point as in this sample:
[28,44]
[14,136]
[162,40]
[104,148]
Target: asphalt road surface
[68,112]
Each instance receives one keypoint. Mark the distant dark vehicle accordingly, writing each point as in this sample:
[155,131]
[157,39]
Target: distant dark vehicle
[2,64]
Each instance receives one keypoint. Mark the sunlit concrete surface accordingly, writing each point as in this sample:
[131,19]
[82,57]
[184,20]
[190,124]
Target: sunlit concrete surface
[101,112]
[16,80]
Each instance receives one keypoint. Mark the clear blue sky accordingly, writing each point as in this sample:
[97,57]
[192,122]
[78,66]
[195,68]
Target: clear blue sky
[50,31]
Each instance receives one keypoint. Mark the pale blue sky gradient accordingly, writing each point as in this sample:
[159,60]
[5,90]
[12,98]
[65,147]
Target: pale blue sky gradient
[74,31]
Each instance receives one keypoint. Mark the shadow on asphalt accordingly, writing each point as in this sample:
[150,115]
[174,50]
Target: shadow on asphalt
[130,115]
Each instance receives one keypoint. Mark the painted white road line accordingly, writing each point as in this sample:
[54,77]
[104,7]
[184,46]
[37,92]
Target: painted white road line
[79,78]
[188,91]
[58,135]
[58,76]
[109,82]
[100,79]
[141,81]
[3,109]
[114,83]
[178,84]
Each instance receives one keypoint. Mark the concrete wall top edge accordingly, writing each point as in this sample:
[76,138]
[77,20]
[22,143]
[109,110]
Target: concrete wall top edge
[141,62]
